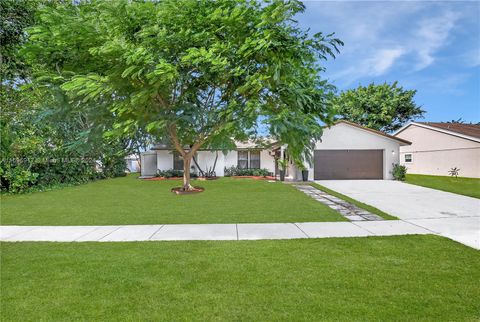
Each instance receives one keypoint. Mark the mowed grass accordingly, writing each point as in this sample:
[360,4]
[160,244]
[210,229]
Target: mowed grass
[128,200]
[463,186]
[408,278]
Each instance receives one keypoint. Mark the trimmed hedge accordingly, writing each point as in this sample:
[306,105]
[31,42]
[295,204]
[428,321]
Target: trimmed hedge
[235,171]
[171,173]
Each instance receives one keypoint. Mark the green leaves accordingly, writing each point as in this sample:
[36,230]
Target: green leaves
[211,69]
[90,88]
[385,107]
[164,74]
[153,126]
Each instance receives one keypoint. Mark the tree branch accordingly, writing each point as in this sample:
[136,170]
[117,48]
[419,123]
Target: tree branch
[172,132]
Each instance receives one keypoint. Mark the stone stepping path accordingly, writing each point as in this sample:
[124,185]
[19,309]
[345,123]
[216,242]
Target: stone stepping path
[346,209]
[208,231]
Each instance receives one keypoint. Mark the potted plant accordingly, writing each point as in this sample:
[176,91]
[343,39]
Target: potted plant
[304,170]
[282,164]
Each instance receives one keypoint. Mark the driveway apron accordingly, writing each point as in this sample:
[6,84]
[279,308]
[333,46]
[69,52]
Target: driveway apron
[444,213]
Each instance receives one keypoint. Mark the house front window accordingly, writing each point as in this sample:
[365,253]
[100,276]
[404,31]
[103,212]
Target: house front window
[248,159]
[177,161]
[408,158]
[254,159]
[242,159]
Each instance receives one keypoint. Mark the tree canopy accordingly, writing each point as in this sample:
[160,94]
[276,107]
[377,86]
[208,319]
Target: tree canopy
[15,16]
[385,107]
[46,140]
[193,71]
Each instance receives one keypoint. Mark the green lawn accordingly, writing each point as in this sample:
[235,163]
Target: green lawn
[357,203]
[132,201]
[463,186]
[416,278]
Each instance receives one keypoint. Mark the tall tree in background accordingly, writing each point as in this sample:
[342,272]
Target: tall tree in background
[15,16]
[193,71]
[385,107]
[46,140]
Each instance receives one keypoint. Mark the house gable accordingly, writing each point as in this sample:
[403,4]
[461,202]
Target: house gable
[430,139]
[345,135]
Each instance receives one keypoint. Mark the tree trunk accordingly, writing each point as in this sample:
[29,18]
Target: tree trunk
[187,161]
[139,161]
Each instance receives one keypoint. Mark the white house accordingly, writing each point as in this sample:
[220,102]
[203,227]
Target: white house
[350,151]
[438,147]
[246,155]
[133,164]
[346,151]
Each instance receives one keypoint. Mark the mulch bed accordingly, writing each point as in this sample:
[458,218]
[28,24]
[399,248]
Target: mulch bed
[163,178]
[254,177]
[179,178]
[207,178]
[179,191]
[213,178]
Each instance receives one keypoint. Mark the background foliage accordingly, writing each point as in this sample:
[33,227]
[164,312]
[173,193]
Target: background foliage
[385,107]
[45,139]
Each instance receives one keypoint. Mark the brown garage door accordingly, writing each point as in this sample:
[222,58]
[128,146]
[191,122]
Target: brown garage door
[348,164]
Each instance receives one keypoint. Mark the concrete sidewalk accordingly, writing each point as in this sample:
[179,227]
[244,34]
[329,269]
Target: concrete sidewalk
[208,231]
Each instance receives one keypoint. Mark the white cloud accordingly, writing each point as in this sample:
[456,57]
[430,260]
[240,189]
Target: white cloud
[433,33]
[377,65]
[383,60]
[383,36]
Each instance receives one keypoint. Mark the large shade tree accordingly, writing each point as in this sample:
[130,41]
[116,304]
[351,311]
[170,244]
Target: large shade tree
[385,107]
[15,16]
[193,71]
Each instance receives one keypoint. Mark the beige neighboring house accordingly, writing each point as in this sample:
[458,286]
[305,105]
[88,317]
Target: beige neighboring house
[438,147]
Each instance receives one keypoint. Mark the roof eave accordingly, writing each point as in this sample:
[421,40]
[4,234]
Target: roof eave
[433,128]
[401,141]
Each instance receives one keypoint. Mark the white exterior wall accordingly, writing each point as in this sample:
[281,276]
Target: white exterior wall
[346,137]
[133,165]
[164,160]
[206,159]
[435,153]
[231,159]
[293,173]
[149,163]
[267,161]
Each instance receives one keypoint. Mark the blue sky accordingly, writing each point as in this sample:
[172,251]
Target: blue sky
[433,47]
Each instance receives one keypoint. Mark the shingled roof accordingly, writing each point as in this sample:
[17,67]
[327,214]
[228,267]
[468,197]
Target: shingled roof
[472,130]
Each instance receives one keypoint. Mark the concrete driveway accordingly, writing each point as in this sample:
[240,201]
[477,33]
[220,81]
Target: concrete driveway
[447,214]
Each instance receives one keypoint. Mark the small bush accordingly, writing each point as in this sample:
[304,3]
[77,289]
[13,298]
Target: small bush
[399,172]
[44,173]
[171,173]
[454,172]
[114,166]
[19,180]
[235,171]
